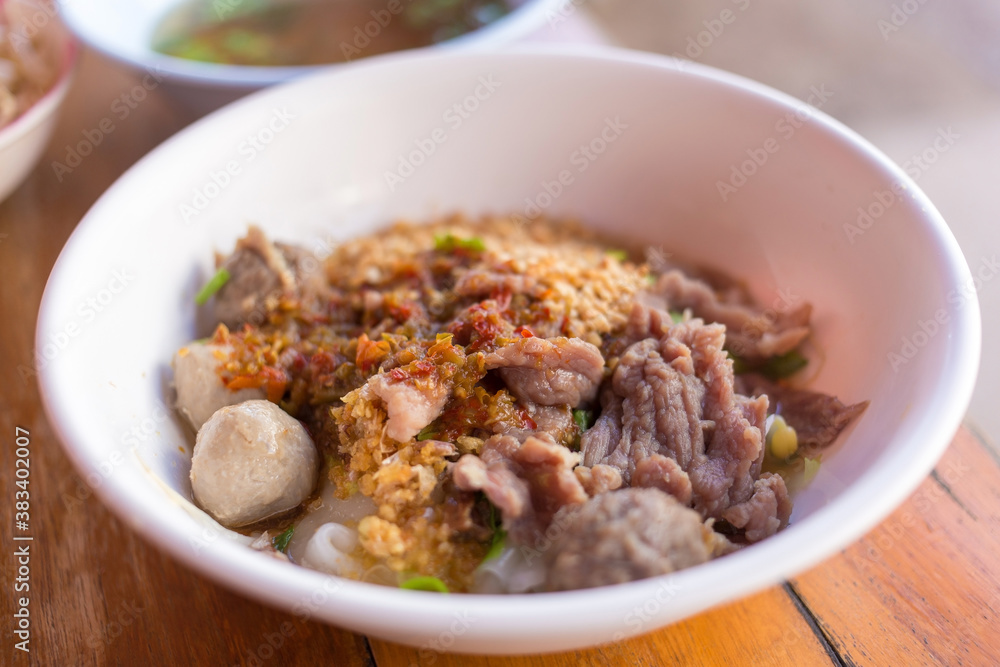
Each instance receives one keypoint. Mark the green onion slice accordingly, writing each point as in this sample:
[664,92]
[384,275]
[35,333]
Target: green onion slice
[220,278]
[280,542]
[431,584]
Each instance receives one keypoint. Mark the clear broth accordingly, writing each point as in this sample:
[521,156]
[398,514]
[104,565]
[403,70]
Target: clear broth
[314,32]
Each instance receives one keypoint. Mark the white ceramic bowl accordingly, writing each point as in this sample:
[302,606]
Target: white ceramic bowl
[124,29]
[662,136]
[23,141]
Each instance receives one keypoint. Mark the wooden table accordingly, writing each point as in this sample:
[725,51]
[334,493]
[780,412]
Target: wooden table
[922,588]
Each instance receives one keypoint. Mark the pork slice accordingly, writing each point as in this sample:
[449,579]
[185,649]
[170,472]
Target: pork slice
[556,371]
[817,418]
[752,332]
[555,421]
[623,536]
[410,404]
[527,481]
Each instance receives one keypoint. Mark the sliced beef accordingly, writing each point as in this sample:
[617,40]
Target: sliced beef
[624,536]
[259,270]
[671,419]
[599,479]
[601,440]
[761,515]
[556,371]
[528,482]
[817,418]
[664,473]
[662,404]
[751,332]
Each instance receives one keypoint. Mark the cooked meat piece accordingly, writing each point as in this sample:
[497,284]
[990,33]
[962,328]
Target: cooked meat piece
[765,512]
[260,270]
[624,536]
[411,404]
[252,461]
[662,405]
[553,371]
[554,420]
[485,283]
[528,482]
[817,418]
[663,473]
[601,440]
[599,479]
[680,426]
[200,390]
[751,332]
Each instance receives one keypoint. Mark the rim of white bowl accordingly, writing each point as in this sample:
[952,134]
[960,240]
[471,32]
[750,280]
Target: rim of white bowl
[50,101]
[869,500]
[519,23]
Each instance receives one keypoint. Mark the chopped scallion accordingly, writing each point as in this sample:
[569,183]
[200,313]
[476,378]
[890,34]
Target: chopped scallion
[583,418]
[450,243]
[782,366]
[497,545]
[431,584]
[280,542]
[220,278]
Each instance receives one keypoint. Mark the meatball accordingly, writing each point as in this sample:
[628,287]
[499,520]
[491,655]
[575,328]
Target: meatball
[252,461]
[623,536]
[200,391]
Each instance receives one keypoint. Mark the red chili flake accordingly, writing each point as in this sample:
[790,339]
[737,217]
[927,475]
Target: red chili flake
[525,332]
[401,312]
[322,365]
[274,380]
[416,369]
[369,352]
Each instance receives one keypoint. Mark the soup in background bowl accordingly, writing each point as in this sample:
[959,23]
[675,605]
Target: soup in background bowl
[132,32]
[293,33]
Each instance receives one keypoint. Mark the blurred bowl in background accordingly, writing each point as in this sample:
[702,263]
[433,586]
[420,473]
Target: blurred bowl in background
[126,31]
[24,139]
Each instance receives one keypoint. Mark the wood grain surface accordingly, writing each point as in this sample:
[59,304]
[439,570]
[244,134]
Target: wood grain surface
[922,588]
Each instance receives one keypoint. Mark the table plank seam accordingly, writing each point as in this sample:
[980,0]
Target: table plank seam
[814,625]
[983,441]
[372,661]
[951,494]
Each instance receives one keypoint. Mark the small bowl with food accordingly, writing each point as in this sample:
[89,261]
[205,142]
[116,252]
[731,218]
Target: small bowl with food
[556,333]
[36,68]
[210,53]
